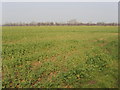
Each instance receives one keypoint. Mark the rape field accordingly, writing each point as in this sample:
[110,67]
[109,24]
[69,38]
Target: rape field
[60,57]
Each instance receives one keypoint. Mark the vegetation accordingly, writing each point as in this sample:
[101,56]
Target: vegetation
[72,22]
[60,57]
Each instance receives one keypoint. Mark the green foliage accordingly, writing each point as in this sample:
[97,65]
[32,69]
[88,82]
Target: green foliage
[60,57]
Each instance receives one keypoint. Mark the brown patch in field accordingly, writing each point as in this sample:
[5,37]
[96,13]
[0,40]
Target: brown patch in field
[52,74]
[68,86]
[22,80]
[92,82]
[101,39]
[52,58]
[38,80]
[36,64]
[1,75]
[70,53]
[115,34]
[101,45]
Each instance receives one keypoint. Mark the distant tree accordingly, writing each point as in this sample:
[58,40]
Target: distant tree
[73,21]
[100,23]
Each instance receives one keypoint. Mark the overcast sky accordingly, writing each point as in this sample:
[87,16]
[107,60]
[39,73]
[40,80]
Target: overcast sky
[59,11]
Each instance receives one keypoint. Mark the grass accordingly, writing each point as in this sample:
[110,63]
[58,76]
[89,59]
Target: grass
[60,57]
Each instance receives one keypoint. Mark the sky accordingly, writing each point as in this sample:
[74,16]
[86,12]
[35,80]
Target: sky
[59,11]
[60,0]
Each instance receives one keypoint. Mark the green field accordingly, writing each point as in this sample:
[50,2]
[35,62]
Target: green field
[60,56]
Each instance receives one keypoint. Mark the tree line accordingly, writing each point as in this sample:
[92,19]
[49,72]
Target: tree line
[69,23]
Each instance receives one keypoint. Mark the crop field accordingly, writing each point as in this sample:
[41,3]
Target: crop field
[60,56]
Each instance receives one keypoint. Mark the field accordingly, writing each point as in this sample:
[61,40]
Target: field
[60,56]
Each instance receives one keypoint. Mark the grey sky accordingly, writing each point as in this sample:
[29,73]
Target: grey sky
[60,11]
